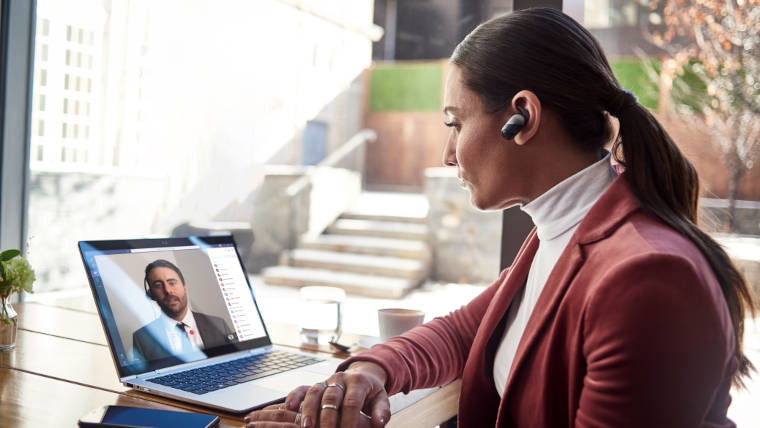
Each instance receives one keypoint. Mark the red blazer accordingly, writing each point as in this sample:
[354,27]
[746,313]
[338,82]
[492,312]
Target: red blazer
[630,330]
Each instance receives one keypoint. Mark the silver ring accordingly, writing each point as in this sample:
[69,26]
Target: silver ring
[365,415]
[337,385]
[297,421]
[329,406]
[324,385]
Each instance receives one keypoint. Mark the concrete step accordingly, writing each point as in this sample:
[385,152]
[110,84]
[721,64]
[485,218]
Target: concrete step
[357,263]
[358,215]
[363,285]
[382,229]
[404,207]
[405,248]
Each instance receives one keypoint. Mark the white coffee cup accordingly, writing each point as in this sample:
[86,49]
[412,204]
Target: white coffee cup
[394,321]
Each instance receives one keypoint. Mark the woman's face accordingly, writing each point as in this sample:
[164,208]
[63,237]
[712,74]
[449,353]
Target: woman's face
[489,166]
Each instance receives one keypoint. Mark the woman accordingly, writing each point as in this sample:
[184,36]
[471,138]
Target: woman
[618,310]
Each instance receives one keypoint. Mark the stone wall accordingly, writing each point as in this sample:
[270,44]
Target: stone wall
[278,221]
[466,242]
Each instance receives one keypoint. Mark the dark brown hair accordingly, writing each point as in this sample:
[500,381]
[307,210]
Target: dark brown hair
[547,52]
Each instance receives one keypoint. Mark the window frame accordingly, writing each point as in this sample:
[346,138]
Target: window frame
[17,30]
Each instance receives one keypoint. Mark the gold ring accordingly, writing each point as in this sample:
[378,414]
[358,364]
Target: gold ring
[337,385]
[329,406]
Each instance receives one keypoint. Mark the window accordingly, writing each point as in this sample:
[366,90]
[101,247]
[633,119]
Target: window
[141,115]
[603,14]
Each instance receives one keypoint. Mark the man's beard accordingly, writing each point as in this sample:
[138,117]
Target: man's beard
[171,313]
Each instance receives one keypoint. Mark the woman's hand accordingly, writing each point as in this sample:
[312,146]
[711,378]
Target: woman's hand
[353,398]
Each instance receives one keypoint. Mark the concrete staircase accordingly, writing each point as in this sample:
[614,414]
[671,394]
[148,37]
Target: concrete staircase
[378,248]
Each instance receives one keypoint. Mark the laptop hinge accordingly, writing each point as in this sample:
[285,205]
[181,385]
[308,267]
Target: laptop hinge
[128,378]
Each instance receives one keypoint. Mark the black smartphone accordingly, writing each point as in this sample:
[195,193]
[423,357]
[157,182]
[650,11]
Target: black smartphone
[137,417]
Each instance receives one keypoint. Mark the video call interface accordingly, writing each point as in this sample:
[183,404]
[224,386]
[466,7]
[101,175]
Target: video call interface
[172,304]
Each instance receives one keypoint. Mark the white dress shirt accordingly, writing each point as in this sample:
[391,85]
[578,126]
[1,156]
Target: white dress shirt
[556,214]
[191,328]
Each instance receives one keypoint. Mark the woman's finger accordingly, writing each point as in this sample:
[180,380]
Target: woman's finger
[270,417]
[311,405]
[268,424]
[296,396]
[353,402]
[380,408]
[332,401]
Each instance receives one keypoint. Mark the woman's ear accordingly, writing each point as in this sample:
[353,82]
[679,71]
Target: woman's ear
[528,101]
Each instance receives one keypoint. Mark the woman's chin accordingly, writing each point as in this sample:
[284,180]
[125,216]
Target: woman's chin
[480,203]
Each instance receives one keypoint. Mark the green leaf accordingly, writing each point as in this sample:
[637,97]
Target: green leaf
[9,254]
[2,270]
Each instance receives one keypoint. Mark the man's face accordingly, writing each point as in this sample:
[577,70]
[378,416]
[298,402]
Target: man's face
[168,291]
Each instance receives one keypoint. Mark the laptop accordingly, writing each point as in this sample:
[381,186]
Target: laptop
[182,322]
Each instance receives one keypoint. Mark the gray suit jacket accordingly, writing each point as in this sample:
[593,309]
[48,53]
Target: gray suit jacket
[151,341]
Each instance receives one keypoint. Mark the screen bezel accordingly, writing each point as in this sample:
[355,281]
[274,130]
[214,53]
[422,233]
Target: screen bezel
[94,248]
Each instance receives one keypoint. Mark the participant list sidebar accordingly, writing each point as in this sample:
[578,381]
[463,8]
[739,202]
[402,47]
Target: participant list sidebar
[237,297]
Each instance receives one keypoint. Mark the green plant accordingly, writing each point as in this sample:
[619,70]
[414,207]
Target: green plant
[16,275]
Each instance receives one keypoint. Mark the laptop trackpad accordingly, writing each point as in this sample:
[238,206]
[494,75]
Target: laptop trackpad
[288,381]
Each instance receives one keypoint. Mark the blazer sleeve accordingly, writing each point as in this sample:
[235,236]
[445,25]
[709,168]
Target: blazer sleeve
[433,353]
[138,347]
[654,332]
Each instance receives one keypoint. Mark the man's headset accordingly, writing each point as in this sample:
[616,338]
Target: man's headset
[148,293]
[515,123]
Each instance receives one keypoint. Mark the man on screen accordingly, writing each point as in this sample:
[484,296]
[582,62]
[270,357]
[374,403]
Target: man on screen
[179,331]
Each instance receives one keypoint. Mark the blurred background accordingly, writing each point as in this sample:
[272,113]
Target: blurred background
[311,131]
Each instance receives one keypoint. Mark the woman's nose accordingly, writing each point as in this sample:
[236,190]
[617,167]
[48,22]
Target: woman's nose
[450,153]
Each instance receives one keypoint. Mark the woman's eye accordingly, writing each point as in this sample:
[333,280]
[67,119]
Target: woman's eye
[452,125]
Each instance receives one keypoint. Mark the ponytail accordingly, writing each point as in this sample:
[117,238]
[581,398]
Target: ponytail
[666,185]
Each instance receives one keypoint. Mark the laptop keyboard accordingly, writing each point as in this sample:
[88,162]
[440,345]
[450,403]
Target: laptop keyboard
[222,375]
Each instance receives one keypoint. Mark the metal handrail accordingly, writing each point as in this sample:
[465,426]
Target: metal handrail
[361,137]
[298,186]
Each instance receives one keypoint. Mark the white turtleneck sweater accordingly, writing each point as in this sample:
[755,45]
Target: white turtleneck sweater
[556,214]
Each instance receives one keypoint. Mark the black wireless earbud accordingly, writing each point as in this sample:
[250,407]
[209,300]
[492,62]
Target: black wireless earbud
[515,124]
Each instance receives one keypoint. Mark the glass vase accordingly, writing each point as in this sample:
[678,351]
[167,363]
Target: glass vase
[8,325]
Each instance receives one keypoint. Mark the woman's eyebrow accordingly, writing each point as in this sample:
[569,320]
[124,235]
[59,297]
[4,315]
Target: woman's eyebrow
[450,109]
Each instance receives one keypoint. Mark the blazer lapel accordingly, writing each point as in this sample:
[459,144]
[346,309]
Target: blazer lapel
[546,306]
[512,284]
[478,371]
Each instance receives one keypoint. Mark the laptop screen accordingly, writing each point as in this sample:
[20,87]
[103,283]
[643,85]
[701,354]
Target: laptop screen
[165,302]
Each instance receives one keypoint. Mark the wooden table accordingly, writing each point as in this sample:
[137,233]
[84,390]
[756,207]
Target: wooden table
[62,368]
